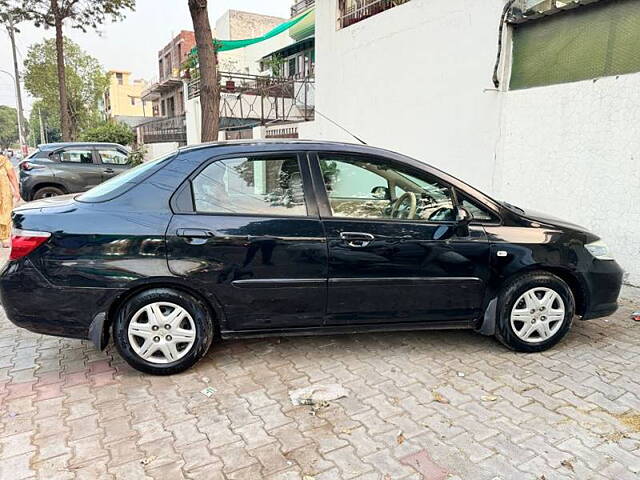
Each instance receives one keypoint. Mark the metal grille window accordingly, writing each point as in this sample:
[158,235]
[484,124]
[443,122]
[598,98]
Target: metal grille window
[598,40]
[354,11]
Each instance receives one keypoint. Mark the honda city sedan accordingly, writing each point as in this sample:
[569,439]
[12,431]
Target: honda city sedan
[261,238]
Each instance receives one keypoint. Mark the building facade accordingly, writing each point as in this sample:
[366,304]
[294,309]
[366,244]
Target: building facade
[167,92]
[123,97]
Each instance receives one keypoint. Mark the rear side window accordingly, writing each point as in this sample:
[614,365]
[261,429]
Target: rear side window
[113,157]
[76,156]
[251,186]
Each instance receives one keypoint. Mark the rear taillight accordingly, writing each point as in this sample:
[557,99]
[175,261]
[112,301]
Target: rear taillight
[23,242]
[26,166]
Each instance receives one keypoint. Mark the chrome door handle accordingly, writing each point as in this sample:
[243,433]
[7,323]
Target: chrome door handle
[357,239]
[195,236]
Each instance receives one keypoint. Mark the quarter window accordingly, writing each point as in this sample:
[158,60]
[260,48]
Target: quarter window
[76,156]
[113,157]
[359,187]
[251,186]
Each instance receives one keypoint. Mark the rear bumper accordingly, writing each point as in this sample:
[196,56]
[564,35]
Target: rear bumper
[603,282]
[33,303]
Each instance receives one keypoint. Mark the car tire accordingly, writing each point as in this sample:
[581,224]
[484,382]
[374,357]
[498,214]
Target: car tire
[154,350]
[46,192]
[521,328]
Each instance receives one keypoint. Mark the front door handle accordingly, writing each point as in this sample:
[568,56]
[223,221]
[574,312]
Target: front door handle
[109,170]
[357,239]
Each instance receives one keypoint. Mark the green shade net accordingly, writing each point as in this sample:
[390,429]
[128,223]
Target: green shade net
[226,45]
[589,42]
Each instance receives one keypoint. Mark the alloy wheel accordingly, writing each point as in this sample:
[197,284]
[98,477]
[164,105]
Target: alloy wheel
[537,315]
[161,332]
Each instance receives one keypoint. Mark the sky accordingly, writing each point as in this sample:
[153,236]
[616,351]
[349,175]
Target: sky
[132,44]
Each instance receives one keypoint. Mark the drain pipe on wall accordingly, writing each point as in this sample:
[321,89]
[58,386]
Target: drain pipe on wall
[503,19]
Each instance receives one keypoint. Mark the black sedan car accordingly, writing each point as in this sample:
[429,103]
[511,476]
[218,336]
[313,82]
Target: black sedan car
[295,238]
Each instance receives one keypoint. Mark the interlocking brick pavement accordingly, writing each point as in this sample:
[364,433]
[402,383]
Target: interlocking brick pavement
[444,404]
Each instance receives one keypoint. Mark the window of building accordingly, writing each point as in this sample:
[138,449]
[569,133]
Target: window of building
[251,186]
[120,78]
[133,100]
[354,11]
[368,188]
[597,40]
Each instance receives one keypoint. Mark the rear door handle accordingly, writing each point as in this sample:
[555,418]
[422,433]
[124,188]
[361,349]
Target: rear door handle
[195,236]
[109,170]
[357,239]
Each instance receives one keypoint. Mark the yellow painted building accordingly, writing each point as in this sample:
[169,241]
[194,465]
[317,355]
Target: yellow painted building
[123,96]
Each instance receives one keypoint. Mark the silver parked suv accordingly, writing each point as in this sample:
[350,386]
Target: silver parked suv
[60,168]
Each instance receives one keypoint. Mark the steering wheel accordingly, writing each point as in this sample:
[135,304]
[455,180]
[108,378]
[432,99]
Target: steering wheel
[413,206]
[442,214]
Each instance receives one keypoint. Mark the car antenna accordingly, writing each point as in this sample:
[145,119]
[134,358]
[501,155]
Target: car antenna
[340,127]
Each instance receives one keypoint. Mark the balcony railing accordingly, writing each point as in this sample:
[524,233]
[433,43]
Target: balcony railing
[301,6]
[263,99]
[354,11]
[169,129]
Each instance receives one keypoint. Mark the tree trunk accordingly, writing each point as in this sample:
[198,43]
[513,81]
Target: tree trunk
[208,62]
[65,118]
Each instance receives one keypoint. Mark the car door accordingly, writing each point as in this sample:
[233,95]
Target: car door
[250,235]
[77,168]
[396,253]
[113,161]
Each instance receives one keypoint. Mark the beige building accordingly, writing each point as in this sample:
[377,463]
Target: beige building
[123,96]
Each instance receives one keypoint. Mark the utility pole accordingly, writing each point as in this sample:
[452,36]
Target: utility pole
[42,138]
[21,122]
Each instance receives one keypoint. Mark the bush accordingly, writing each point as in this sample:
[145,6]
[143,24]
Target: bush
[109,132]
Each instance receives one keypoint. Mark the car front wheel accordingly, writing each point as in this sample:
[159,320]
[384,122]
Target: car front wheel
[163,331]
[535,312]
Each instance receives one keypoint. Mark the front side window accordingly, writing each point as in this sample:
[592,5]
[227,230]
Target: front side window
[113,157]
[359,187]
[251,186]
[76,156]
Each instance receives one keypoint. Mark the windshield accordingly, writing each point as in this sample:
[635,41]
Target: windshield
[122,182]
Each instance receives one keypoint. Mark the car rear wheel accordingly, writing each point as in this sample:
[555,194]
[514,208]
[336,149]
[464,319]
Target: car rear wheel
[46,192]
[162,331]
[535,312]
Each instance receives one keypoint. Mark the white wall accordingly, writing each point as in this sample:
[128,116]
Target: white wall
[573,150]
[155,150]
[413,79]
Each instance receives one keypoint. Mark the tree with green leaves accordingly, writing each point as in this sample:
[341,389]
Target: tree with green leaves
[81,14]
[8,126]
[109,132]
[84,86]
[50,131]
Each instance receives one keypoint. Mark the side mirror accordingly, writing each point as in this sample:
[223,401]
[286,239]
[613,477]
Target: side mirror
[463,216]
[381,193]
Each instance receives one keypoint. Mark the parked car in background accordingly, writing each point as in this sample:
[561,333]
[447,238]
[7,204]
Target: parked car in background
[60,168]
[295,238]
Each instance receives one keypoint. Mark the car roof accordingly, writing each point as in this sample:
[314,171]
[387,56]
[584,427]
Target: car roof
[55,146]
[288,143]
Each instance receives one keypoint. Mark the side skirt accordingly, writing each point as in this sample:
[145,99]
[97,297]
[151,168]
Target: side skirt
[347,329]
